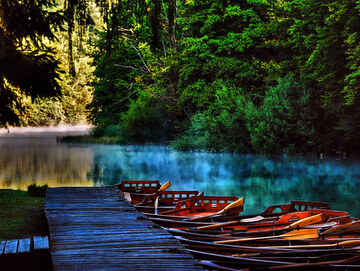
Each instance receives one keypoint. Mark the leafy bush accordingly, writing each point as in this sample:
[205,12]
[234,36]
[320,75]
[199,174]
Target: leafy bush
[221,127]
[145,119]
[283,123]
[45,112]
[37,190]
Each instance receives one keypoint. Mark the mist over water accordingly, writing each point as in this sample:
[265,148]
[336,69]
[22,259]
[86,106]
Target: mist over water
[262,181]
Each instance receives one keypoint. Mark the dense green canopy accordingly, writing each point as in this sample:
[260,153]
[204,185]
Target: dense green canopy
[267,76]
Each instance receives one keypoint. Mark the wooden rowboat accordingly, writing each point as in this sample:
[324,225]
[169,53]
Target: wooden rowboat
[262,221]
[163,201]
[136,190]
[141,186]
[341,261]
[305,252]
[244,250]
[252,226]
[204,207]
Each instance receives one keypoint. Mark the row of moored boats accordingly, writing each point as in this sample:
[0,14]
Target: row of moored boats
[301,235]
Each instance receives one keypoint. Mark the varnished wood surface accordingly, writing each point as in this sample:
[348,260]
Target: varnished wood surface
[96,229]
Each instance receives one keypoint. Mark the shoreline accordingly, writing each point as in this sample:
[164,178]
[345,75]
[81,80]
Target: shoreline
[46,130]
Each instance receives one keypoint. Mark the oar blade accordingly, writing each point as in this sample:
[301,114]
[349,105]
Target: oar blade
[293,235]
[307,221]
[165,186]
[301,234]
[234,204]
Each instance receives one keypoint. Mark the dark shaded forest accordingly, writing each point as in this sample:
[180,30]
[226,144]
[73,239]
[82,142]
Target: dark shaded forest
[272,77]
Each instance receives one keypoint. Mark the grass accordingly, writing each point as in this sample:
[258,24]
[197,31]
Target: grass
[21,215]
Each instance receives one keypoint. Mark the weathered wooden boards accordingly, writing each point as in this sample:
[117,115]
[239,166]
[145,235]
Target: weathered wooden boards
[95,228]
[25,254]
[17,248]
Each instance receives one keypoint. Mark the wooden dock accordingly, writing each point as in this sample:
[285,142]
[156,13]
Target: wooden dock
[96,229]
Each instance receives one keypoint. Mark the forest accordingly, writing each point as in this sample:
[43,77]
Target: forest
[266,76]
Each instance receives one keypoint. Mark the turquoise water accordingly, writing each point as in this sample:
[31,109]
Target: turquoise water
[260,180]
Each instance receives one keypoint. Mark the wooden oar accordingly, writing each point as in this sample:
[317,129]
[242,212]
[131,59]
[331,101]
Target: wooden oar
[200,194]
[230,223]
[164,186]
[156,204]
[218,225]
[232,205]
[306,221]
[297,234]
[344,244]
[298,224]
[292,235]
[341,229]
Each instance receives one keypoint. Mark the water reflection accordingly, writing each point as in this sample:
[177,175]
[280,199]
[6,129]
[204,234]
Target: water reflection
[262,181]
[35,156]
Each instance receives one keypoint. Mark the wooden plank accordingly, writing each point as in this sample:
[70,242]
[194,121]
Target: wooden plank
[24,245]
[95,228]
[11,246]
[41,242]
[2,247]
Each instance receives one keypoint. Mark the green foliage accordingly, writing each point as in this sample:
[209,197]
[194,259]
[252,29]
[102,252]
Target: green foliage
[37,190]
[45,112]
[282,125]
[221,127]
[223,44]
[31,60]
[145,120]
[270,76]
[27,64]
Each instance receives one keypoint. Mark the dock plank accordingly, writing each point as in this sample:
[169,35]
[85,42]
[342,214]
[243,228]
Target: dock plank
[41,242]
[96,228]
[24,245]
[11,246]
[2,247]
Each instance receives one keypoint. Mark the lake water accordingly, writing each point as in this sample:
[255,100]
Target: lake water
[35,156]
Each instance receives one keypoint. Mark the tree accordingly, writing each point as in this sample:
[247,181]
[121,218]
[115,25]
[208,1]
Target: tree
[27,65]
[223,40]
[137,58]
[77,13]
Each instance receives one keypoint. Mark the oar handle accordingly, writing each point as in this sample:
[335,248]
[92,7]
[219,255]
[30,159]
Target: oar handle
[232,205]
[156,204]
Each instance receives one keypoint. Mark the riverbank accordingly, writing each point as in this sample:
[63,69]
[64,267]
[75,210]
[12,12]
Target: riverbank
[21,215]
